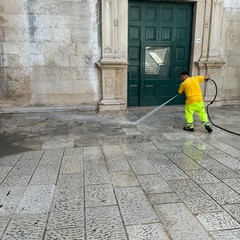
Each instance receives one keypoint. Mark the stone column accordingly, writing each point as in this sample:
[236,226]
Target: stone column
[211,61]
[113,63]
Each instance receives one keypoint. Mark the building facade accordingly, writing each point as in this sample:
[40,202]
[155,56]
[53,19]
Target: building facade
[111,54]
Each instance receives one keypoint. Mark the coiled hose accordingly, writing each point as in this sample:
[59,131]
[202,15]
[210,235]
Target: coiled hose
[212,103]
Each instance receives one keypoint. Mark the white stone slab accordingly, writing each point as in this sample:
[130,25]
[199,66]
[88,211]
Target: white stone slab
[36,199]
[180,223]
[147,232]
[217,221]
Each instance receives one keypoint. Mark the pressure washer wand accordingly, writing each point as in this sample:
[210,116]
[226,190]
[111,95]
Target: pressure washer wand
[154,110]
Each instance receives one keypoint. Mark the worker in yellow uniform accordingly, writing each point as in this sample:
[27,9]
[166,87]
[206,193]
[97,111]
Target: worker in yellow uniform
[194,100]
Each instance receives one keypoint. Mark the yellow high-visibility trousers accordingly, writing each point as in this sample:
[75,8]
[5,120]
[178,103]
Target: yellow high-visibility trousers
[199,108]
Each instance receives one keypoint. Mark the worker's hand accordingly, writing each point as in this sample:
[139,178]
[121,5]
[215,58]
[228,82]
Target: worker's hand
[206,77]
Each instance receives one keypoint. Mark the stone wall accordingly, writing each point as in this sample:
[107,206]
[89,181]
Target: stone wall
[48,51]
[229,91]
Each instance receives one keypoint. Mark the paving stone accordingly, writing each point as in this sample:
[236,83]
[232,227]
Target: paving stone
[221,193]
[163,198]
[234,152]
[131,131]
[3,223]
[27,226]
[194,197]
[10,198]
[120,164]
[166,147]
[195,154]
[133,139]
[73,151]
[2,178]
[208,162]
[233,210]
[137,149]
[178,136]
[4,170]
[129,150]
[134,206]
[58,142]
[45,175]
[93,162]
[141,165]
[201,176]
[104,223]
[213,151]
[147,232]
[86,141]
[27,162]
[68,199]
[202,146]
[65,219]
[176,155]
[146,146]
[217,221]
[65,234]
[232,140]
[115,159]
[111,140]
[36,199]
[99,195]
[226,234]
[157,158]
[23,170]
[51,157]
[155,134]
[180,223]
[124,179]
[70,181]
[223,172]
[96,174]
[10,160]
[171,172]
[186,164]
[112,152]
[227,160]
[92,153]
[154,184]
[233,183]
[71,164]
[31,155]
[12,181]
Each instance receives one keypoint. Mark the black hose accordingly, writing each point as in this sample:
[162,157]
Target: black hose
[209,114]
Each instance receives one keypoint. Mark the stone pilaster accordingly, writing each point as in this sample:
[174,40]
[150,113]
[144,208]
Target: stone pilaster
[210,61]
[113,63]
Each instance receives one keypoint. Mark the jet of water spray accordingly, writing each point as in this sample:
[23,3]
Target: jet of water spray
[149,114]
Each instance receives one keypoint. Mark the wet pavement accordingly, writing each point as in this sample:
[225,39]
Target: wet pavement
[86,175]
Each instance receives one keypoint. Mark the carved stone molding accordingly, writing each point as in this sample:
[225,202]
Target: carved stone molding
[114,89]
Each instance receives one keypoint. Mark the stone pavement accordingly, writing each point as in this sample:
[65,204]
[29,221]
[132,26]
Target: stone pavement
[85,175]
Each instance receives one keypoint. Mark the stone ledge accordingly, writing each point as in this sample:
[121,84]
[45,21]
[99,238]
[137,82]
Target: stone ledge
[112,105]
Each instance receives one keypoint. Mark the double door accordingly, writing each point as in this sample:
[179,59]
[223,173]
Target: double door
[159,49]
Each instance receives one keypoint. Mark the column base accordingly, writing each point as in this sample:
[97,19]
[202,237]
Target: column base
[112,105]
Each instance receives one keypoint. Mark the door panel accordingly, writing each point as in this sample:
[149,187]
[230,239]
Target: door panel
[156,74]
[159,48]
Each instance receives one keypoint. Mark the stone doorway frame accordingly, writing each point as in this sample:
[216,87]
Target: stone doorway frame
[205,49]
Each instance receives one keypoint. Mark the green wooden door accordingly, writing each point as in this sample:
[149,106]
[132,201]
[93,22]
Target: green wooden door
[159,49]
